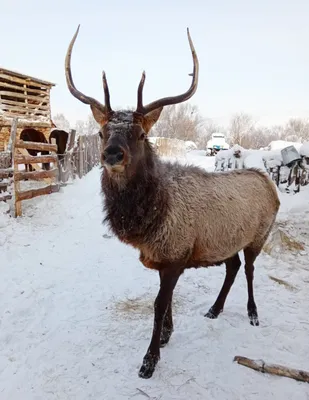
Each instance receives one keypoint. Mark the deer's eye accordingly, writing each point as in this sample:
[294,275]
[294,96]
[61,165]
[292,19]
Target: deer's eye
[142,136]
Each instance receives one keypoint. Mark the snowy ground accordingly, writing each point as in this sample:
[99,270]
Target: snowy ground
[76,311]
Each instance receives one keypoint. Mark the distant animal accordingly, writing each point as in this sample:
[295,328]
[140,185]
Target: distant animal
[177,216]
[32,135]
[61,137]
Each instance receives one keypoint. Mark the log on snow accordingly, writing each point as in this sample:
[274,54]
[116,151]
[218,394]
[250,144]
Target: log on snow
[274,369]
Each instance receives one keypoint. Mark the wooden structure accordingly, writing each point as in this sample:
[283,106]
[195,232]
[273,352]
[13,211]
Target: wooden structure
[80,156]
[50,177]
[27,99]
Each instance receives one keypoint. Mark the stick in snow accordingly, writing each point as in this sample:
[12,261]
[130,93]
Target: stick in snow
[274,369]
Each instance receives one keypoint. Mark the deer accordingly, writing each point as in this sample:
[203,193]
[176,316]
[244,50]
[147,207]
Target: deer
[177,216]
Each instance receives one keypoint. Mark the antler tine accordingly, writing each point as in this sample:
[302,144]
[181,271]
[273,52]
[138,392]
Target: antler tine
[76,93]
[175,99]
[106,93]
[140,92]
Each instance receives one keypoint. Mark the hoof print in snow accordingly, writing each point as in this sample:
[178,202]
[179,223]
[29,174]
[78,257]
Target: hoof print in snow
[106,236]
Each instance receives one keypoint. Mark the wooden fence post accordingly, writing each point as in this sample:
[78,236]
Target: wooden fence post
[81,156]
[12,148]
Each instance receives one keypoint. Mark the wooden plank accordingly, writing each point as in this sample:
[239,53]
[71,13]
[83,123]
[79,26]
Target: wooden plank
[6,173]
[24,159]
[81,157]
[22,88]
[4,102]
[24,112]
[30,194]
[17,204]
[20,144]
[25,153]
[36,175]
[27,81]
[4,185]
[24,122]
[22,96]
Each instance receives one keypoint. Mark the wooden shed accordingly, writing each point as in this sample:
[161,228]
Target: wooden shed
[26,98]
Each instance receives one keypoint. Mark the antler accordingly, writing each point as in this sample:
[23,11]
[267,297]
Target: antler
[169,100]
[76,93]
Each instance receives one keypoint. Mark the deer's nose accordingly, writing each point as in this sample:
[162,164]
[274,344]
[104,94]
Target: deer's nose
[113,155]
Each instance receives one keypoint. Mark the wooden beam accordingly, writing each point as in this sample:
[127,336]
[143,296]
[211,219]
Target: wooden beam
[23,110]
[23,122]
[28,81]
[30,194]
[36,159]
[22,88]
[36,175]
[20,144]
[23,96]
[6,102]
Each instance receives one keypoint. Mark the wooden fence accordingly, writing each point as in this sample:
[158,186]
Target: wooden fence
[49,177]
[80,157]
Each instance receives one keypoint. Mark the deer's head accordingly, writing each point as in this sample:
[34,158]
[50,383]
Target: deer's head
[124,133]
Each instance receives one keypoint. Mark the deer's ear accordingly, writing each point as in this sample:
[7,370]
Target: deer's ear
[99,115]
[150,119]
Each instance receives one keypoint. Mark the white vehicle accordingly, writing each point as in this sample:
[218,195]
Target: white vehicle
[216,143]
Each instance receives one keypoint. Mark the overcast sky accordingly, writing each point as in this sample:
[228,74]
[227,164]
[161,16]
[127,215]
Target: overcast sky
[254,55]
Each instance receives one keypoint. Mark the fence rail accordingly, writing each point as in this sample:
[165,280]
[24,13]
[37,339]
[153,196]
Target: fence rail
[50,177]
[80,156]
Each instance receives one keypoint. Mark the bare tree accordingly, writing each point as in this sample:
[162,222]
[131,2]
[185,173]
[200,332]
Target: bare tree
[181,121]
[241,125]
[61,122]
[80,128]
[92,126]
[296,128]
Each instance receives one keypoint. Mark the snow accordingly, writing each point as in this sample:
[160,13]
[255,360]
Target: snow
[77,310]
[281,144]
[190,145]
[304,149]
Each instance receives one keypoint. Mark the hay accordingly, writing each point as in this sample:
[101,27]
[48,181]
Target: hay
[141,306]
[280,242]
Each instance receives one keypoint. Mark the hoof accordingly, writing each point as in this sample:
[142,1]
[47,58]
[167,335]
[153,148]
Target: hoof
[149,364]
[213,313]
[165,337]
[253,318]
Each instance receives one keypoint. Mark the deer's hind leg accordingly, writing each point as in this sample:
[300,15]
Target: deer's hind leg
[232,267]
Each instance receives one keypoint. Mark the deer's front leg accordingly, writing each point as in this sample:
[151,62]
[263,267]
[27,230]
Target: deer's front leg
[168,281]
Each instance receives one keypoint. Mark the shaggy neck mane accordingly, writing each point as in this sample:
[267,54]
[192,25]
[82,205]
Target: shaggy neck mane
[134,205]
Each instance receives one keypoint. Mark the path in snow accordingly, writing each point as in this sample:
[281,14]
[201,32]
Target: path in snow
[76,315]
